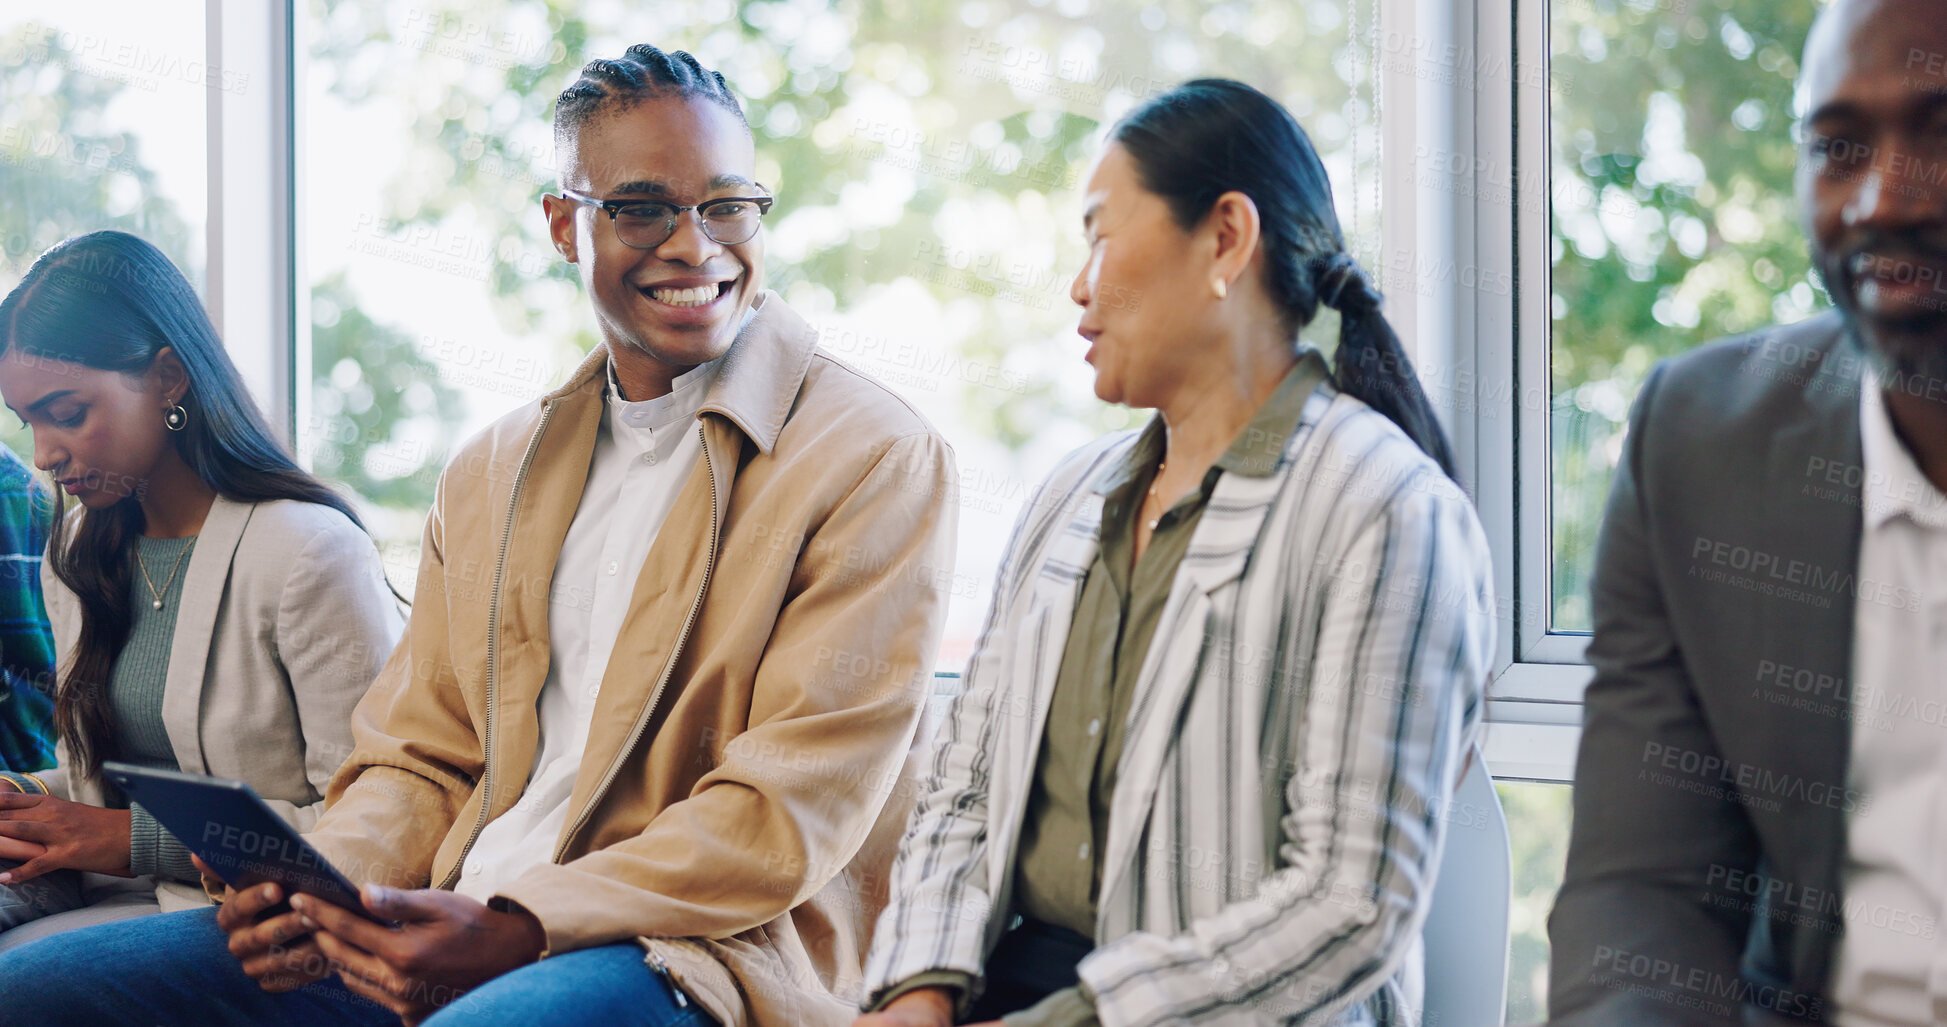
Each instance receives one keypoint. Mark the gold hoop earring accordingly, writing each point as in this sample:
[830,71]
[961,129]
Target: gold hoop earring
[1220,287]
[176,418]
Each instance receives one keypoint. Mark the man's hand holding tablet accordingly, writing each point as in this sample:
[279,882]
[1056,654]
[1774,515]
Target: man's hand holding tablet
[443,946]
[292,918]
[278,950]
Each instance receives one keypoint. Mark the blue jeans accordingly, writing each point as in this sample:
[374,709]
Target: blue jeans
[175,969]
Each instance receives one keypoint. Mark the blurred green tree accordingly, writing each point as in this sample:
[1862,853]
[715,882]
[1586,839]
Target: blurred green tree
[1674,221]
[888,131]
[64,171]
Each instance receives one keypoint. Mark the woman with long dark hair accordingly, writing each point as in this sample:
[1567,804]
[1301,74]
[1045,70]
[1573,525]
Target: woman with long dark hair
[1235,659]
[216,609]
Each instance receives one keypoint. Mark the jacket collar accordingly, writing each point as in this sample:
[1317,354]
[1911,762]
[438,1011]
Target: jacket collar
[758,381]
[756,385]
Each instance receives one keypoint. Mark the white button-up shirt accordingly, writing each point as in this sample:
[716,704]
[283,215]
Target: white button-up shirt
[644,455]
[1891,966]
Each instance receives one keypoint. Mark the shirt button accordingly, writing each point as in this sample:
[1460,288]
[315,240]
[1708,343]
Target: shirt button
[473,867]
[1082,853]
[649,458]
[1094,726]
[613,566]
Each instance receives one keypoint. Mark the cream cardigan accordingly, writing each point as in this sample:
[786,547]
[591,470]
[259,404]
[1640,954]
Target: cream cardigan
[285,620]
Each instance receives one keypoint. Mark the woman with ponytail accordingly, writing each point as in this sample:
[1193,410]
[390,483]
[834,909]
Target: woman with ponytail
[1236,658]
[216,609]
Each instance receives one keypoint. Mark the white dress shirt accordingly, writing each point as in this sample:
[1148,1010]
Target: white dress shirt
[644,455]
[1891,967]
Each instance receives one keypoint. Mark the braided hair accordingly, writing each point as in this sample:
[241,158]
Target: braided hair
[642,72]
[1211,136]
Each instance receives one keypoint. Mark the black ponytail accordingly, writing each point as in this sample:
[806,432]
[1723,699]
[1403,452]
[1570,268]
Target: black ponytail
[1371,364]
[1211,136]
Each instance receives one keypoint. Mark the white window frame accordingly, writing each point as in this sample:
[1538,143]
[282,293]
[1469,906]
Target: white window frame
[252,294]
[1482,350]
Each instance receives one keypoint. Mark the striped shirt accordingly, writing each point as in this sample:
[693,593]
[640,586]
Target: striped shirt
[1297,731]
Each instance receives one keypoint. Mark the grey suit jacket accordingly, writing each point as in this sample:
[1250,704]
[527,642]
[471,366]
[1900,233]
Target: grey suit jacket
[1710,792]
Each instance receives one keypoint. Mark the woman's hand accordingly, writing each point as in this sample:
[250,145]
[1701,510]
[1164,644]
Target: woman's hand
[72,836]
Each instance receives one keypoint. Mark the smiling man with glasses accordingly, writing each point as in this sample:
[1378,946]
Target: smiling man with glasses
[625,765]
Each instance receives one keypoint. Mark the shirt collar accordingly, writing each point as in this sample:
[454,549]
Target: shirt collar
[756,386]
[1255,451]
[641,419]
[1893,485]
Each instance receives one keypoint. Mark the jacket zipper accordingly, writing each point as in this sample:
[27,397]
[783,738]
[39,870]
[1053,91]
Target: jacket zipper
[493,646]
[669,666]
[661,967]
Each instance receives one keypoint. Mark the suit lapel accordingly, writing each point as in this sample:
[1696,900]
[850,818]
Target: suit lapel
[205,583]
[1825,534]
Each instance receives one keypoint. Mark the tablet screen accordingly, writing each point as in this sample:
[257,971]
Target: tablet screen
[232,830]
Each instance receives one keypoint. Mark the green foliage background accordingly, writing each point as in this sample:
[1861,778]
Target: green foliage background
[1671,180]
[1674,221]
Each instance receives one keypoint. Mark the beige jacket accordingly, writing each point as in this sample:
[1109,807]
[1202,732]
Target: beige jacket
[285,620]
[756,711]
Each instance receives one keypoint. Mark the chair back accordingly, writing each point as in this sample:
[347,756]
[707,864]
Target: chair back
[1466,933]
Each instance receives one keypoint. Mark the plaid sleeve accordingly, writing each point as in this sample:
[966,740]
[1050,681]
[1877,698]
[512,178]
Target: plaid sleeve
[26,643]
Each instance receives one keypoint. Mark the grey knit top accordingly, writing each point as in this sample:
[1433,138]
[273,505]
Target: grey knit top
[135,698]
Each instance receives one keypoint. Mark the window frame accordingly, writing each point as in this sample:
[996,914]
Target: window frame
[1482,351]
[251,234]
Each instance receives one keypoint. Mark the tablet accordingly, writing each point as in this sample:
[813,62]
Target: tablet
[230,828]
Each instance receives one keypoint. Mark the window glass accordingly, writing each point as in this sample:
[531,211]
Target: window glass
[1672,221]
[926,159]
[1538,822]
[102,125]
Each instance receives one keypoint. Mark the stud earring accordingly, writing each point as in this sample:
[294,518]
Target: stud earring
[176,418]
[1220,287]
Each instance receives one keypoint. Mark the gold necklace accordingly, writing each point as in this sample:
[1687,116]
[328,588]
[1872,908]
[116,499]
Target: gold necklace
[157,595]
[1161,466]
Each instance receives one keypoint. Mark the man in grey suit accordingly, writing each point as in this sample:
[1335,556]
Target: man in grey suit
[1761,796]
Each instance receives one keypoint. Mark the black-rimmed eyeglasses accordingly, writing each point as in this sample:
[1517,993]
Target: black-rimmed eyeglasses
[647,224]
